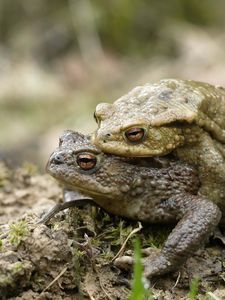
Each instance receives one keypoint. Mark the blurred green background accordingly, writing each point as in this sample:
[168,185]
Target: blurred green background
[58,59]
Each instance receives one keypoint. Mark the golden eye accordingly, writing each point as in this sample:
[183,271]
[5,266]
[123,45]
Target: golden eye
[86,161]
[135,135]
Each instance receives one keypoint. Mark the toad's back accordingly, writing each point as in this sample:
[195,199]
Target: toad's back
[173,100]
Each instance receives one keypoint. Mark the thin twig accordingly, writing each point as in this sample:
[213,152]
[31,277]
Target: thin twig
[126,240]
[90,296]
[55,279]
[222,277]
[178,278]
[213,296]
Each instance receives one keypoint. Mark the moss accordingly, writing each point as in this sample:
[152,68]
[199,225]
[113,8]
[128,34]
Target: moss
[108,256]
[17,267]
[17,232]
[7,277]
[116,235]
[79,261]
[5,280]
[37,280]
[156,236]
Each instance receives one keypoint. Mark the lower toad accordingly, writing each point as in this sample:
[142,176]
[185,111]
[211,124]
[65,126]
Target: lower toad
[152,193]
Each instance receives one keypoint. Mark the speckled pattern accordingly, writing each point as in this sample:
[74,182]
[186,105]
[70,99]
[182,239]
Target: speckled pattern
[146,193]
[184,117]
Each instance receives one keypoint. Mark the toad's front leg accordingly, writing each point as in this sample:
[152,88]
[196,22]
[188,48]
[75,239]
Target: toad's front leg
[71,199]
[198,218]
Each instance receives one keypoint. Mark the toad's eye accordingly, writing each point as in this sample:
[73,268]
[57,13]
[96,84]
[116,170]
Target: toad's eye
[135,135]
[86,161]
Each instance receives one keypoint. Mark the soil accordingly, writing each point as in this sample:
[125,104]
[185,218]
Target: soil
[71,257]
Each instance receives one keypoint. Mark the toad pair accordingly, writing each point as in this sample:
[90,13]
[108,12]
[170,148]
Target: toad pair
[183,118]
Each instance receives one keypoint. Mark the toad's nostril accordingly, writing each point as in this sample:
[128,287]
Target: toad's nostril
[105,137]
[58,158]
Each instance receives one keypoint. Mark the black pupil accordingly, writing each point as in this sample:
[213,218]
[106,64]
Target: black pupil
[135,135]
[87,161]
[135,132]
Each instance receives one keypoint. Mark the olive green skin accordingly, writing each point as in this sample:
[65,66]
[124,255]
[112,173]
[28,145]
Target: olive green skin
[182,117]
[151,192]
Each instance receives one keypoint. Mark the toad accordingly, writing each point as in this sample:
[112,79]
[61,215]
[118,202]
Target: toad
[182,117]
[154,192]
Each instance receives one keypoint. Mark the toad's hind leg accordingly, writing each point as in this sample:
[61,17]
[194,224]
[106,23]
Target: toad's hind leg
[198,219]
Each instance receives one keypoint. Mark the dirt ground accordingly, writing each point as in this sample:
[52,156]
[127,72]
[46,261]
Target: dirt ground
[71,257]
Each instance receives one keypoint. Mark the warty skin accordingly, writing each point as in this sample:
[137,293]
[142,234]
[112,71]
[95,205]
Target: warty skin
[151,194]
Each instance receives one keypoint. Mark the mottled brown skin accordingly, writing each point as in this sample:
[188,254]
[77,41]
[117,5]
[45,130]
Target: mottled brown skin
[150,194]
[183,117]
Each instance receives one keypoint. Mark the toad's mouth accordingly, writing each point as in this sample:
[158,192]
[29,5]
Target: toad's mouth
[77,182]
[90,192]
[130,150]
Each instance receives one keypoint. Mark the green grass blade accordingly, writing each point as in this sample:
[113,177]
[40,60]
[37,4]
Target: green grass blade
[139,289]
